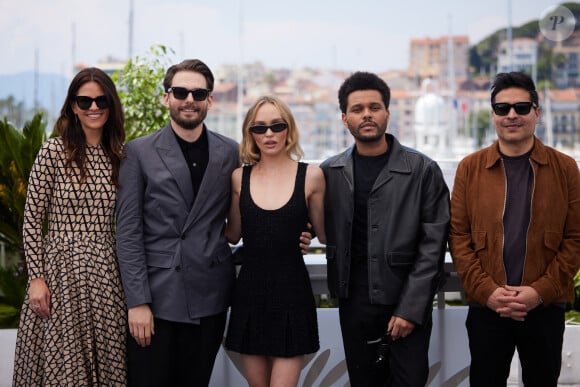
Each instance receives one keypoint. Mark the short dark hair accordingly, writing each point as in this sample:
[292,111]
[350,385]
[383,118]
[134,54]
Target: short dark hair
[363,81]
[194,65]
[517,79]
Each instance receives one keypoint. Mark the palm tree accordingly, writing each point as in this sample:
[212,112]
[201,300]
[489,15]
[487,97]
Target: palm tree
[18,149]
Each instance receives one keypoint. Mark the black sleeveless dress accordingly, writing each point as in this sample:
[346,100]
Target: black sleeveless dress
[273,311]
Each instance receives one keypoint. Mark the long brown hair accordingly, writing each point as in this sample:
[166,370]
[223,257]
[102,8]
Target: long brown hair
[72,134]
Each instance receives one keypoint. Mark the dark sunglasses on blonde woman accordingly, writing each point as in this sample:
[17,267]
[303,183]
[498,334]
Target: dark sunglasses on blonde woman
[276,128]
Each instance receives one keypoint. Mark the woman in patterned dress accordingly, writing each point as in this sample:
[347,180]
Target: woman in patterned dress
[72,326]
[273,321]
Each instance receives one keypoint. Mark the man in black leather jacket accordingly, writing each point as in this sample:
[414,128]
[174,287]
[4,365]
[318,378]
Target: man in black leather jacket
[387,218]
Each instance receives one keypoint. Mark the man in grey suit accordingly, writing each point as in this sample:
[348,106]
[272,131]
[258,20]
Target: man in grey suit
[175,263]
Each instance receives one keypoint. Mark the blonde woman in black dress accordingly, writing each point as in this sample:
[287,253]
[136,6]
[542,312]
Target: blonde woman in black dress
[273,320]
[72,327]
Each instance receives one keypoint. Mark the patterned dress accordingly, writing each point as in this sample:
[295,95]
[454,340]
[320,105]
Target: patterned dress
[83,341]
[273,310]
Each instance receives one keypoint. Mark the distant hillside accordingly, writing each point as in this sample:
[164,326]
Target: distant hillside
[51,89]
[483,55]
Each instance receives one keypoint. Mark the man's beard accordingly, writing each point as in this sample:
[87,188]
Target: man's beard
[368,138]
[189,124]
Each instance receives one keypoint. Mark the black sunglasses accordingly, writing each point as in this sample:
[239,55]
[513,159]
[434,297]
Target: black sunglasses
[182,92]
[85,102]
[503,109]
[276,128]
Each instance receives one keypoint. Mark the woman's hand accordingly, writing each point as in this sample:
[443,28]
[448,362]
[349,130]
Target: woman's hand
[39,297]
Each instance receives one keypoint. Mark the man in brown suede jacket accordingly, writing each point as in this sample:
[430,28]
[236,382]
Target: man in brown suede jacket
[515,242]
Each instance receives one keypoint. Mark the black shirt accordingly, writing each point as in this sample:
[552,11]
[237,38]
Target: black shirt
[196,155]
[366,170]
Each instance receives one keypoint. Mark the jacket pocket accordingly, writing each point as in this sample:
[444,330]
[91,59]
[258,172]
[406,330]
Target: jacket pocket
[332,274]
[401,259]
[478,240]
[221,254]
[330,253]
[552,240]
[159,259]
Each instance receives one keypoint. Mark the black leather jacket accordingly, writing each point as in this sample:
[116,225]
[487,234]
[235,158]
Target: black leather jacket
[408,221]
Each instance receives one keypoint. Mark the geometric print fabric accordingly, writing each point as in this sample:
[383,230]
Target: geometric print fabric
[83,341]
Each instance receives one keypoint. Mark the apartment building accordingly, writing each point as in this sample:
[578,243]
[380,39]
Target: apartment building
[445,59]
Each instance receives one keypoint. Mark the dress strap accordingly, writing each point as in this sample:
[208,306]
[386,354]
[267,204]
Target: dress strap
[300,184]
[245,189]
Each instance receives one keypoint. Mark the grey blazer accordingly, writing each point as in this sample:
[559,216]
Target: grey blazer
[171,247]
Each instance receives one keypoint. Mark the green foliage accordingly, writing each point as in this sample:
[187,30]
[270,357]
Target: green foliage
[577,292]
[325,301]
[13,283]
[574,7]
[486,53]
[15,111]
[12,109]
[140,87]
[483,55]
[9,316]
[18,150]
[530,30]
[572,317]
[482,123]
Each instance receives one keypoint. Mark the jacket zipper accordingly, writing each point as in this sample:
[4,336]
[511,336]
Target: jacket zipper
[529,220]
[502,216]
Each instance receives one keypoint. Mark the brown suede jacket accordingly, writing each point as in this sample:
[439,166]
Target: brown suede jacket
[553,238]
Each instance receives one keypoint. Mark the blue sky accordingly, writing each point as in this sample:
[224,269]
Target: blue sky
[370,35]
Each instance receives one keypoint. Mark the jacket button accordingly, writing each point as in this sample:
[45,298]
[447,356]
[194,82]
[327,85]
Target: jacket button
[182,236]
[177,268]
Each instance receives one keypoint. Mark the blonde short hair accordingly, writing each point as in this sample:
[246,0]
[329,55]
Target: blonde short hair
[249,152]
